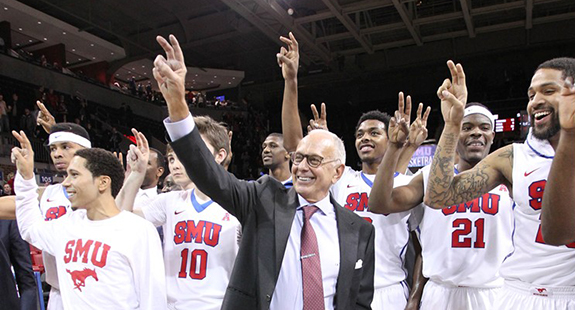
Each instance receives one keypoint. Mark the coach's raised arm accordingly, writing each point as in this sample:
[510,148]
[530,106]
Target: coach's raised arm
[282,261]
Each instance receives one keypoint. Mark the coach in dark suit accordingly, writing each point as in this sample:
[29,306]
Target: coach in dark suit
[268,270]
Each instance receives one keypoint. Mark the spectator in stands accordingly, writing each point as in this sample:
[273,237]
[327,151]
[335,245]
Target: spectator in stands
[62,110]
[133,89]
[18,292]
[7,189]
[115,140]
[52,101]
[16,108]
[2,45]
[4,122]
[28,123]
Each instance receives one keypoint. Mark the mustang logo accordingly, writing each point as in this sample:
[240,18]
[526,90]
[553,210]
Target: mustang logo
[79,277]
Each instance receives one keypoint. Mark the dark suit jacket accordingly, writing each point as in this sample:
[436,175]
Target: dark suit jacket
[266,210]
[16,252]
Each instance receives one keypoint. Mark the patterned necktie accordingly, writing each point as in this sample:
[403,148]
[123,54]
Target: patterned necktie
[310,264]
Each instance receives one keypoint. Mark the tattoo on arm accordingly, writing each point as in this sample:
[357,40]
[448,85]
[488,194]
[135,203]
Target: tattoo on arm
[507,155]
[444,189]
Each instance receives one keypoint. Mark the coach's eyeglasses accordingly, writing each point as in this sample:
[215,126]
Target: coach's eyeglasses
[313,161]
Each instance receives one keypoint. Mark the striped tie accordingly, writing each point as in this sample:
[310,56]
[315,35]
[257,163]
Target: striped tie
[310,264]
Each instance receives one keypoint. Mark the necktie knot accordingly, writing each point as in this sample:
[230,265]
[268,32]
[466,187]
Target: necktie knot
[309,211]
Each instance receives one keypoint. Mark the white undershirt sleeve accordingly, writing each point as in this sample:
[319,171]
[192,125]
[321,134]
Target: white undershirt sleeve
[32,226]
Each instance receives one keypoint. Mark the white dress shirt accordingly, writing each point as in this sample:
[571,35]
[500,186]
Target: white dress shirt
[288,292]
[144,197]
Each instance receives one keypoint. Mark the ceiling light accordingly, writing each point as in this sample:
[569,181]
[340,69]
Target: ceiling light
[143,66]
[92,44]
[73,50]
[112,53]
[39,23]
[133,68]
[30,41]
[230,83]
[45,39]
[93,57]
[79,59]
[17,44]
[63,32]
[5,9]
[233,78]
[20,29]
[215,76]
[145,73]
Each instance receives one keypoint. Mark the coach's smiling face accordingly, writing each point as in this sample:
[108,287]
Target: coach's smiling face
[313,183]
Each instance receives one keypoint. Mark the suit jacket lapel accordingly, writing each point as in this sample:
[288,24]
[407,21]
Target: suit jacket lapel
[348,239]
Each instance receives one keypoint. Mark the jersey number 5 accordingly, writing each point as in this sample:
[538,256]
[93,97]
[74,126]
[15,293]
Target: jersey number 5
[464,228]
[198,264]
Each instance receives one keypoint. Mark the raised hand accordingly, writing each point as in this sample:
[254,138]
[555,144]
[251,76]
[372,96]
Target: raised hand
[567,106]
[139,154]
[453,95]
[398,129]
[318,121]
[418,129]
[44,119]
[170,73]
[288,59]
[23,156]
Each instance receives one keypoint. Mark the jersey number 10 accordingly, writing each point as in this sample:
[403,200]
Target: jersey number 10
[198,264]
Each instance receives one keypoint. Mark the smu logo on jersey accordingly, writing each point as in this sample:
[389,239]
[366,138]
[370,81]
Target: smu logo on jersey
[202,232]
[356,202]
[79,277]
[55,212]
[95,251]
[488,203]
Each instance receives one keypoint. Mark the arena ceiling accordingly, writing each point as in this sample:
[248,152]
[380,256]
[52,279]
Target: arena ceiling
[243,34]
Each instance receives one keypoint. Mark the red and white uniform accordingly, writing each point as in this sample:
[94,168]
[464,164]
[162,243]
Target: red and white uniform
[100,263]
[54,204]
[539,272]
[463,248]
[391,236]
[201,241]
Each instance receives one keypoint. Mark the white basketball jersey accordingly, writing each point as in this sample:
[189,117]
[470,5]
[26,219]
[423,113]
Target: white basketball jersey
[465,244]
[391,231]
[201,241]
[534,261]
[54,204]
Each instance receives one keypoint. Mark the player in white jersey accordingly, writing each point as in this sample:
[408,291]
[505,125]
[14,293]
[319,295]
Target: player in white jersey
[464,245]
[201,238]
[275,158]
[352,190]
[100,265]
[537,275]
[64,140]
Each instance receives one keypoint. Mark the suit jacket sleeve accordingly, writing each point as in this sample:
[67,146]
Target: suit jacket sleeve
[236,196]
[366,288]
[22,263]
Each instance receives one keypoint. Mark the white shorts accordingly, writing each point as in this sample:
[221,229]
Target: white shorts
[526,296]
[442,297]
[392,297]
[55,300]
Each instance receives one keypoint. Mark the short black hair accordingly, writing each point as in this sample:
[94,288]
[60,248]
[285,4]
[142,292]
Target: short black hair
[160,161]
[276,134]
[564,64]
[376,115]
[101,162]
[70,127]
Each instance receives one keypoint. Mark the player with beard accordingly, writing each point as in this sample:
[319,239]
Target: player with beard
[464,274]
[276,159]
[537,275]
[557,222]
[353,189]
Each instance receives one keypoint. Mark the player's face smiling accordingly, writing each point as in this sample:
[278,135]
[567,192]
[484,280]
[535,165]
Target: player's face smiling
[80,184]
[313,183]
[475,138]
[371,141]
[62,153]
[544,95]
[273,152]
